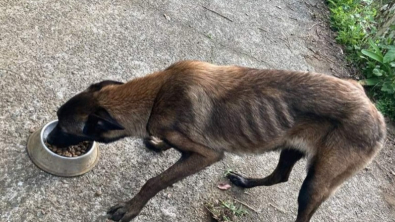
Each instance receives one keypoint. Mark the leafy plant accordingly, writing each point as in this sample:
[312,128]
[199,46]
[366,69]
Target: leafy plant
[380,66]
[238,211]
[355,22]
[387,106]
[353,19]
[226,211]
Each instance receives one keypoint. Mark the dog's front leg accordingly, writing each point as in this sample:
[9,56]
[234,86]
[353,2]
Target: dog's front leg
[195,157]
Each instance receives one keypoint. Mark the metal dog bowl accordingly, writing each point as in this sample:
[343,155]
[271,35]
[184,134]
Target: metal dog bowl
[55,164]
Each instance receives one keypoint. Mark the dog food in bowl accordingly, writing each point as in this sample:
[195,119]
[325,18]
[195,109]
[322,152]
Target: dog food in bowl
[71,151]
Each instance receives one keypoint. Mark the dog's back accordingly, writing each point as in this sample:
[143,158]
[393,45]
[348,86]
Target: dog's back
[238,109]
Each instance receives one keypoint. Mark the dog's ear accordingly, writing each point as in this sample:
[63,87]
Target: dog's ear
[100,121]
[100,85]
[105,120]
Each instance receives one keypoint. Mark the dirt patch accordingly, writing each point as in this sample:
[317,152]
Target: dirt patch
[386,164]
[327,56]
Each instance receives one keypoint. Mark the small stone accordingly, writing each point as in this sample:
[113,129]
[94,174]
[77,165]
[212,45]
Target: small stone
[168,212]
[98,193]
[166,17]
[31,130]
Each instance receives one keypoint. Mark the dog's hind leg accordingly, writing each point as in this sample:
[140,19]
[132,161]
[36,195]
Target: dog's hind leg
[288,158]
[155,144]
[326,172]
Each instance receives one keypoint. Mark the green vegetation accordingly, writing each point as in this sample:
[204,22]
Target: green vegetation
[370,46]
[226,211]
[236,210]
[227,172]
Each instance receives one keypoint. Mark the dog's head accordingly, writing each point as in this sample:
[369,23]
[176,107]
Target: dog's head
[83,119]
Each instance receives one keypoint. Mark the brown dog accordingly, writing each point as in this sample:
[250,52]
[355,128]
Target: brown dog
[204,110]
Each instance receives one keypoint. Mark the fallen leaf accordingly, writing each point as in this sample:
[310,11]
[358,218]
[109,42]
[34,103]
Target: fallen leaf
[224,186]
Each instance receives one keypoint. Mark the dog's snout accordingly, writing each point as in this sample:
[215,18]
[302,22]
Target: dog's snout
[57,137]
[50,139]
[54,136]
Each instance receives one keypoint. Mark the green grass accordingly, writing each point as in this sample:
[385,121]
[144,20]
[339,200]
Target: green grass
[356,24]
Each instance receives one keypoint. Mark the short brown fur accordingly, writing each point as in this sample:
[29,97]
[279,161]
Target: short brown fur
[204,110]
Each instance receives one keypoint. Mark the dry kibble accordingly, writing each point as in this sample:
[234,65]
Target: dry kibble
[71,151]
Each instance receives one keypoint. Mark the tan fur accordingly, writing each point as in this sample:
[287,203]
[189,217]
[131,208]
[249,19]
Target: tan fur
[204,109]
[205,80]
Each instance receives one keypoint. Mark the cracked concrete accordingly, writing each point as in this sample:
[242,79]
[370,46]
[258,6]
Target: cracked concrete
[50,50]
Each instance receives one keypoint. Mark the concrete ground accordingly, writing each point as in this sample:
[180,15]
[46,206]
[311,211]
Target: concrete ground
[52,49]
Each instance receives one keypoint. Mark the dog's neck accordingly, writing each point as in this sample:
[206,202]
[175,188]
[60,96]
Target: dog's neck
[131,103]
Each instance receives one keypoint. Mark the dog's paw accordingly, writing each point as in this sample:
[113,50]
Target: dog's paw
[238,180]
[155,144]
[122,212]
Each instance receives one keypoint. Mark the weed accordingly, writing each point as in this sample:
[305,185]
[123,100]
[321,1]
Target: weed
[238,211]
[379,68]
[227,172]
[353,20]
[226,211]
[356,21]
[386,105]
